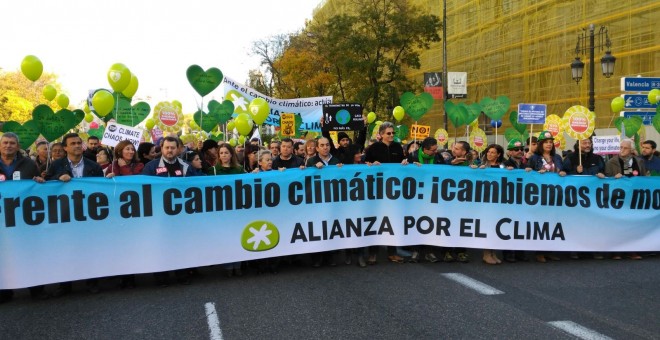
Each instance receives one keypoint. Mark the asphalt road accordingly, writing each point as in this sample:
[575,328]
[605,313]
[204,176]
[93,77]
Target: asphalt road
[615,299]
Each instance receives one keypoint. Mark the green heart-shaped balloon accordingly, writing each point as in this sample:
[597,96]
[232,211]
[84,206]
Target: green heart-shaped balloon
[127,114]
[401,131]
[98,133]
[27,132]
[206,121]
[218,137]
[632,124]
[457,114]
[222,111]
[656,119]
[79,115]
[495,108]
[473,110]
[512,133]
[416,106]
[513,119]
[53,125]
[204,82]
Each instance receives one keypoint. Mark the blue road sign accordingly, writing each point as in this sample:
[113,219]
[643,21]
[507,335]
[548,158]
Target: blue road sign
[639,84]
[637,101]
[647,116]
[532,113]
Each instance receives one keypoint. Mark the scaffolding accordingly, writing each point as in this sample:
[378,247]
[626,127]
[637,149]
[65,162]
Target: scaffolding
[523,48]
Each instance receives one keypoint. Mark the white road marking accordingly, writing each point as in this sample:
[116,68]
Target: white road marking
[469,282]
[213,321]
[581,332]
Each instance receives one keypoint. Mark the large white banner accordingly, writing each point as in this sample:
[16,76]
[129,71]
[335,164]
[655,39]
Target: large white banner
[54,232]
[310,109]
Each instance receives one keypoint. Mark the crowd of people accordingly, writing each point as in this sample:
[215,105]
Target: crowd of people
[70,158]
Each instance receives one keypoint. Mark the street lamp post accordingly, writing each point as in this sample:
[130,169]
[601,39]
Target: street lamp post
[607,61]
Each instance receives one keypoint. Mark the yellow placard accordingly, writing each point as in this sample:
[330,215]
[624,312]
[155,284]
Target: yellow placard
[420,131]
[553,124]
[578,122]
[288,124]
[168,117]
[478,139]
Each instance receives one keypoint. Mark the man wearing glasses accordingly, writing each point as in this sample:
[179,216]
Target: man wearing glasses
[515,151]
[385,151]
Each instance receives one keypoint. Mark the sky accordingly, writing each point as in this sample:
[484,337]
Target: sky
[156,39]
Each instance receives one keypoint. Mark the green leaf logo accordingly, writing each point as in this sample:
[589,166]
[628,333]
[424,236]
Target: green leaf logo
[260,236]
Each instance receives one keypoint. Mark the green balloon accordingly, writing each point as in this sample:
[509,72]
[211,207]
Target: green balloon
[132,87]
[49,92]
[204,82]
[259,110]
[653,96]
[371,117]
[103,102]
[149,123]
[398,113]
[617,105]
[63,100]
[119,76]
[243,125]
[231,126]
[31,67]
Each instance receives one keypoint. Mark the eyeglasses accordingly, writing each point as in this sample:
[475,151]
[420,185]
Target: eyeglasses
[389,133]
[516,149]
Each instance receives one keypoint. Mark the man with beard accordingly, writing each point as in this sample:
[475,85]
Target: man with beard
[651,157]
[583,161]
[93,145]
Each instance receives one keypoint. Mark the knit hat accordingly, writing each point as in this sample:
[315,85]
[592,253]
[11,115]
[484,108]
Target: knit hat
[545,134]
[341,135]
[514,143]
[208,145]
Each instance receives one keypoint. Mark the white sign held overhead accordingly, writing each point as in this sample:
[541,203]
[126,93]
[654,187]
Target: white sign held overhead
[606,145]
[115,133]
[457,84]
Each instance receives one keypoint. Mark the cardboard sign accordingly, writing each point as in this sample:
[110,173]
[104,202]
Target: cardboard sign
[287,124]
[115,133]
[342,117]
[420,131]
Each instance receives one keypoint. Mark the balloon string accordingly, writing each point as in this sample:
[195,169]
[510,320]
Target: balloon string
[201,115]
[116,105]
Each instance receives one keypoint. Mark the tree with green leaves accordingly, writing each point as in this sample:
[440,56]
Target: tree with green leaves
[358,56]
